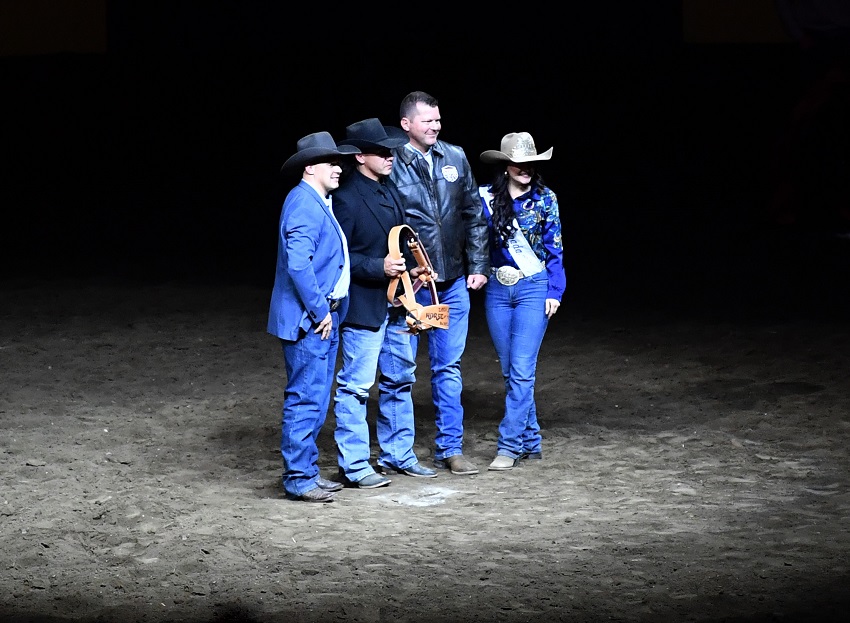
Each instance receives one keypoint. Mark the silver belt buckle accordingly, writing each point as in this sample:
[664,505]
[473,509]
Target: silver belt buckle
[508,275]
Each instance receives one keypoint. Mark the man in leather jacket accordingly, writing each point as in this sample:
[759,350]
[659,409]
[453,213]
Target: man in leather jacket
[441,204]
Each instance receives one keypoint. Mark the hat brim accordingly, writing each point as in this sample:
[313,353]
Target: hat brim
[316,154]
[396,137]
[492,156]
[368,146]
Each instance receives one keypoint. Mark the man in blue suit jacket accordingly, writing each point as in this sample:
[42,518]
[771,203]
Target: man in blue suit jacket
[374,334]
[309,300]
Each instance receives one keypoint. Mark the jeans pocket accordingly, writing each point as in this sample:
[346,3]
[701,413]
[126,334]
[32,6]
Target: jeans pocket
[540,277]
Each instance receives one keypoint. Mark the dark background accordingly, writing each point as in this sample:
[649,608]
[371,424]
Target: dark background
[701,159]
[693,169]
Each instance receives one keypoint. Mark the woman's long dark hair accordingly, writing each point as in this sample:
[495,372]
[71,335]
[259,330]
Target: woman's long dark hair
[502,205]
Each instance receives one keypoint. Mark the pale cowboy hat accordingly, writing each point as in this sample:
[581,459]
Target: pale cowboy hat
[370,135]
[517,147]
[314,148]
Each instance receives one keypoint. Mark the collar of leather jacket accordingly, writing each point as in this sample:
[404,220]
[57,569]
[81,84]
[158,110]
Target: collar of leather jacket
[409,154]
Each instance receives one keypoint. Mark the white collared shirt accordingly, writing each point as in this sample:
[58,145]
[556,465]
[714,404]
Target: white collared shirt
[340,290]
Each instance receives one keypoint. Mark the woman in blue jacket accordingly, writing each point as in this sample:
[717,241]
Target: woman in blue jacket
[526,259]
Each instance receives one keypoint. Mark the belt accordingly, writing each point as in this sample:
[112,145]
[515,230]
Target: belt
[507,275]
[334,304]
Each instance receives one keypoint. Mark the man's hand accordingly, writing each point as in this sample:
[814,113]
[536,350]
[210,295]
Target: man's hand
[420,270]
[552,306]
[325,326]
[476,282]
[393,267]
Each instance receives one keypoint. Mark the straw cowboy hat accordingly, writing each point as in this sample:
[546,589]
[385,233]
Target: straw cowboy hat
[517,147]
[314,148]
[369,135]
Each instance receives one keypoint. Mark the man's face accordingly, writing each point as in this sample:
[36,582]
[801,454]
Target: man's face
[424,127]
[377,165]
[326,174]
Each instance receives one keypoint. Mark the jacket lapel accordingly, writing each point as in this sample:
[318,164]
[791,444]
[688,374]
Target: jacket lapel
[325,209]
[386,213]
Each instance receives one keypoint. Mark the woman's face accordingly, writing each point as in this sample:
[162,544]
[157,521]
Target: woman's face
[521,174]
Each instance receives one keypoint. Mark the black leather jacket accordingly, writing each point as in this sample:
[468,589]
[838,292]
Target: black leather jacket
[446,212]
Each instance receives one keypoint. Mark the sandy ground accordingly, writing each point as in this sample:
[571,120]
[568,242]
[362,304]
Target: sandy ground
[695,469]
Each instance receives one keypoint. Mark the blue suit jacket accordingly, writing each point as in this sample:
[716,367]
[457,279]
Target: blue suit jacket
[310,260]
[366,218]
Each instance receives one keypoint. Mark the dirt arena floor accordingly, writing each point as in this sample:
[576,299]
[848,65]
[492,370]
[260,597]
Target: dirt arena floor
[695,468]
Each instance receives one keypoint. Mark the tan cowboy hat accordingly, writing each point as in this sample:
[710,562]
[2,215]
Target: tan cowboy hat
[517,147]
[315,147]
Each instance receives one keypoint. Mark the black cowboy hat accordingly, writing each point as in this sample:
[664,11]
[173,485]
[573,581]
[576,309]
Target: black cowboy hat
[314,148]
[369,135]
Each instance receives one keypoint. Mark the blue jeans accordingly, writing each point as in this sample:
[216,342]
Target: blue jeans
[516,317]
[310,363]
[445,348]
[364,351]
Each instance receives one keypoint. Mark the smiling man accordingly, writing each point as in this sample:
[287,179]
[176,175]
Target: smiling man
[309,300]
[440,198]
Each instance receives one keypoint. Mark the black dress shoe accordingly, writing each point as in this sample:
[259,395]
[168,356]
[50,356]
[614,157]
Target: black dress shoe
[372,481]
[328,485]
[417,470]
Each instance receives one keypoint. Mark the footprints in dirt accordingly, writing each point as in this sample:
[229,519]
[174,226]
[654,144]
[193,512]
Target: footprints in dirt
[425,496]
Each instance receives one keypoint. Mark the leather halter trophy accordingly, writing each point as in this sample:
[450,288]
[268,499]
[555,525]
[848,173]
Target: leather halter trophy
[419,317]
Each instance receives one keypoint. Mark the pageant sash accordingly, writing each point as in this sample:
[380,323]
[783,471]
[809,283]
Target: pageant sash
[525,258]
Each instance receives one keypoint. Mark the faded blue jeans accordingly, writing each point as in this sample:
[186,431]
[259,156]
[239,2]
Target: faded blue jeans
[445,349]
[516,318]
[310,363]
[365,351]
